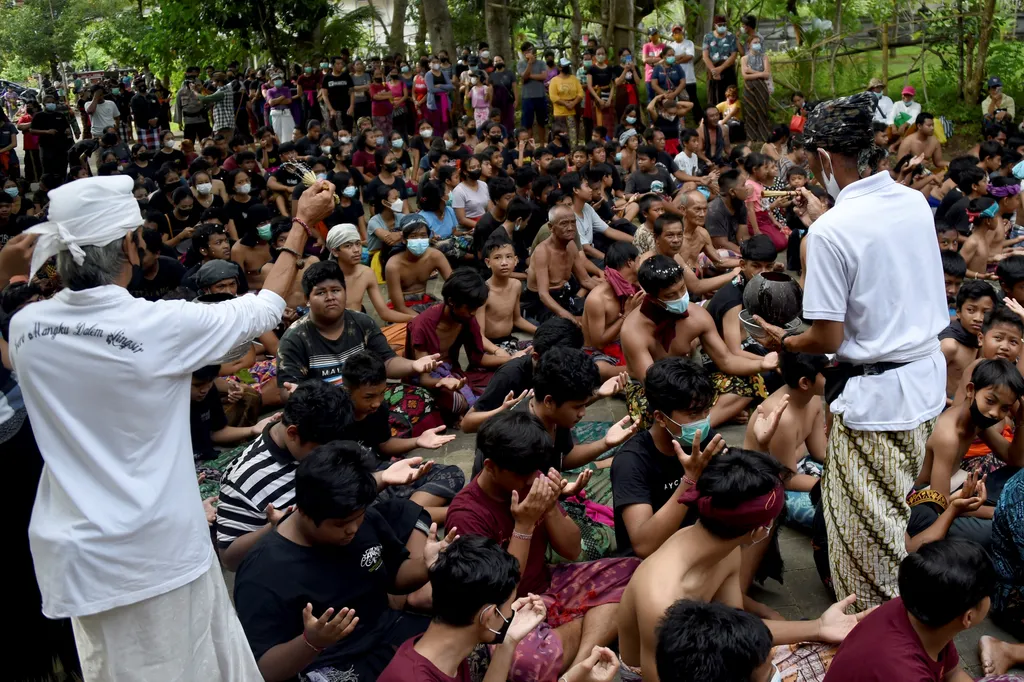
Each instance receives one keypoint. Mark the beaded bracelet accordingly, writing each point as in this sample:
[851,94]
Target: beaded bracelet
[304,225]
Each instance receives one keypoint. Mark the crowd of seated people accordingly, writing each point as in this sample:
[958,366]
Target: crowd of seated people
[481,280]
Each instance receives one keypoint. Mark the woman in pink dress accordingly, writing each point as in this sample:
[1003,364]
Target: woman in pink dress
[763,170]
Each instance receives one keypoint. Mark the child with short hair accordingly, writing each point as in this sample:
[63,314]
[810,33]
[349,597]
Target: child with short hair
[978,249]
[762,170]
[944,590]
[960,340]
[954,269]
[408,271]
[365,378]
[947,236]
[801,425]
[1000,339]
[1010,273]
[500,314]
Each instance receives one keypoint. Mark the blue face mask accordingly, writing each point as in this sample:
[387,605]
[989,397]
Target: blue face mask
[688,432]
[670,60]
[618,156]
[418,247]
[264,232]
[321,176]
[11,192]
[705,191]
[379,141]
[397,143]
[678,306]
[349,191]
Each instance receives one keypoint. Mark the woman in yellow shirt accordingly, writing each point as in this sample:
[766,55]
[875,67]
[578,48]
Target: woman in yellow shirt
[565,92]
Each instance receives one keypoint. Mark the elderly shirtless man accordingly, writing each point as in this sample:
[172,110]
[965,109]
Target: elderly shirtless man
[668,241]
[737,497]
[551,289]
[666,324]
[407,272]
[697,240]
[346,246]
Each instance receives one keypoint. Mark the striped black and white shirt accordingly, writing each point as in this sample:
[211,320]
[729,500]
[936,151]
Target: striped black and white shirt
[263,474]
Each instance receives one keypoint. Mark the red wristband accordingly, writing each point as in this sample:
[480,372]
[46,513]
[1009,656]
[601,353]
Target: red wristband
[317,649]
[304,225]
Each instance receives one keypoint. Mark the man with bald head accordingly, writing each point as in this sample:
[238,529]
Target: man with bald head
[697,250]
[668,241]
[556,273]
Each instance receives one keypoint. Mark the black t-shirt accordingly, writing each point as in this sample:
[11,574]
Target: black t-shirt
[638,182]
[642,474]
[174,158]
[721,223]
[370,190]
[559,147]
[52,120]
[241,214]
[168,277]
[337,90]
[206,417]
[484,227]
[135,171]
[347,214]
[307,147]
[601,77]
[724,300]
[515,376]
[952,196]
[304,353]
[510,155]
[670,128]
[371,431]
[287,177]
[278,578]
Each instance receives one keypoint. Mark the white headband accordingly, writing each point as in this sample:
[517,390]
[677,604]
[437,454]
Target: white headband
[342,233]
[86,212]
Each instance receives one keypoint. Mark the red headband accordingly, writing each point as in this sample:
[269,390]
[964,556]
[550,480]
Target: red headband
[755,513]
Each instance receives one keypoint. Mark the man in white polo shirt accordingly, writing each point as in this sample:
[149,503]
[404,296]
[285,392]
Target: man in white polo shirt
[876,298]
[118,533]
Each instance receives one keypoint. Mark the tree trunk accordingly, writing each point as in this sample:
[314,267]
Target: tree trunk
[621,13]
[396,37]
[707,15]
[974,84]
[577,30]
[885,55]
[499,28]
[421,33]
[791,10]
[439,26]
[837,29]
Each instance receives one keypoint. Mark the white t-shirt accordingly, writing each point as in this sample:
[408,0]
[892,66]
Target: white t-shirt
[475,202]
[912,110]
[103,117]
[685,47]
[588,223]
[873,264]
[686,164]
[883,109]
[106,379]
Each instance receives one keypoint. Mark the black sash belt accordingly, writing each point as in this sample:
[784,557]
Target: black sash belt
[836,377]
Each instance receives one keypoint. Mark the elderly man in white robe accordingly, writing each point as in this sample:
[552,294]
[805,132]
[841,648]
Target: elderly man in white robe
[118,533]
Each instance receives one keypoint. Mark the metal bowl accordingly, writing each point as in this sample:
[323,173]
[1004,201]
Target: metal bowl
[774,296]
[757,332]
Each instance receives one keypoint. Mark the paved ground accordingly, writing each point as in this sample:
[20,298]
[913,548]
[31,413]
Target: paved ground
[801,596]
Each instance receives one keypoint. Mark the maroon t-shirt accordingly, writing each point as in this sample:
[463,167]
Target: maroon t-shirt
[473,512]
[423,335]
[408,665]
[884,647]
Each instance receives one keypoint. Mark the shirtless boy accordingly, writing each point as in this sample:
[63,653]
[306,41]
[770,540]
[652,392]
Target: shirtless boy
[1010,273]
[960,340]
[986,240]
[501,312]
[1000,340]
[802,425]
[296,298]
[407,272]
[954,269]
[995,387]
[923,142]
[608,305]
[668,240]
[737,499]
[696,240]
[252,250]
[666,324]
[346,246]
[550,287]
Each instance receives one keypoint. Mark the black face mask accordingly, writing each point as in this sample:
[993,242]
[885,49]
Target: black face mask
[145,156]
[500,634]
[171,186]
[980,420]
[499,66]
[496,138]
[473,174]
[378,80]
[550,62]
[566,70]
[391,167]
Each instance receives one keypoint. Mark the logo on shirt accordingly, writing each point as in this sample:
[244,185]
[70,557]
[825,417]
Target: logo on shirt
[372,558]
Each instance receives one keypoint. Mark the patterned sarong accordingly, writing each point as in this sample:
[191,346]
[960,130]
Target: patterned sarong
[863,495]
[804,662]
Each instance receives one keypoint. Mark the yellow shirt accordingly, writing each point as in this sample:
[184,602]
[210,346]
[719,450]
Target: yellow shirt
[724,106]
[563,88]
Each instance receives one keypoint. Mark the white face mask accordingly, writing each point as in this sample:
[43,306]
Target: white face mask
[474,80]
[204,187]
[831,186]
[426,133]
[169,144]
[397,206]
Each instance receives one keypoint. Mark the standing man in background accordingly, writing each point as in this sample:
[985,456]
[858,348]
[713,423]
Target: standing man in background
[879,306]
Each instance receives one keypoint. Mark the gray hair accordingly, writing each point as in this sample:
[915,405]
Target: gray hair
[555,210]
[102,266]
